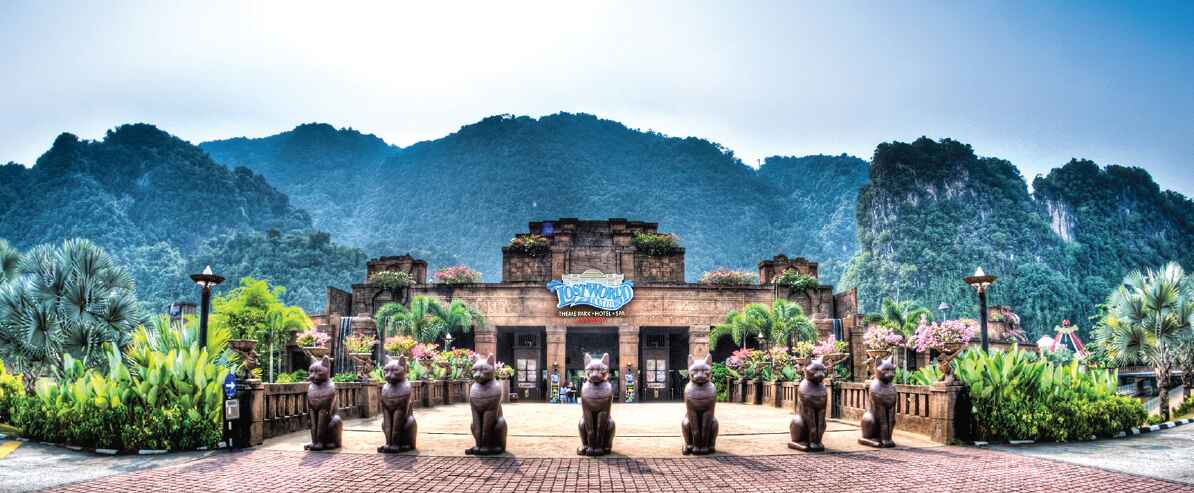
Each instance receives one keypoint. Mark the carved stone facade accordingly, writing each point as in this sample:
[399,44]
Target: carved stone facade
[770,269]
[522,318]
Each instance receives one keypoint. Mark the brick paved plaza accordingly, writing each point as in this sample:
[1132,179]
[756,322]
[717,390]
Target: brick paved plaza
[927,469]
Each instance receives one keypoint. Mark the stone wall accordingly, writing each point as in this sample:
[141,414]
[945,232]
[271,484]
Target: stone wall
[339,301]
[931,410]
[659,269]
[770,269]
[402,263]
[520,267]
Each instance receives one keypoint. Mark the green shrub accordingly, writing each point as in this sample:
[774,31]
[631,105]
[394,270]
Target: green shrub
[794,279]
[656,245]
[345,377]
[1017,396]
[167,401]
[12,388]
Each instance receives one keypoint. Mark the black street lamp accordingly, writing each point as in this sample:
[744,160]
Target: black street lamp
[448,341]
[761,340]
[206,280]
[943,307]
[980,281]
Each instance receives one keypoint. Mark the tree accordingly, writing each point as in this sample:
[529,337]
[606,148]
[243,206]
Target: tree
[1147,317]
[67,300]
[904,317]
[417,321]
[457,316]
[254,310]
[777,323]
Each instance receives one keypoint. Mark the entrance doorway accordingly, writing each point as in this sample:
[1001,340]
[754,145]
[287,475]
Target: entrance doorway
[663,357]
[524,349]
[595,341]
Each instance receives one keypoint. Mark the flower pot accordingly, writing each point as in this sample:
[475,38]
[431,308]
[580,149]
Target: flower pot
[315,352]
[874,356]
[245,348]
[946,355]
[801,362]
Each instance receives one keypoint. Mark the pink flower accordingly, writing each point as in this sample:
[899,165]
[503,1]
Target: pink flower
[880,338]
[938,335]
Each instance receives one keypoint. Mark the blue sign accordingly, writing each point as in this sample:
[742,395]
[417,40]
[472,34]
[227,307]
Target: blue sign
[230,386]
[592,288]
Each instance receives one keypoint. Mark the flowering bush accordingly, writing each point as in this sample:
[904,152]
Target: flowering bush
[400,345]
[390,280]
[360,344]
[458,362]
[503,371]
[779,357]
[424,352]
[312,338]
[726,277]
[657,245]
[530,244]
[880,338]
[457,274]
[803,349]
[794,279]
[938,335]
[830,346]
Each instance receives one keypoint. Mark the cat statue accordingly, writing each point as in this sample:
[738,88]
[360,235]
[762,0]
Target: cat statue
[398,410]
[326,427]
[880,417]
[596,396]
[808,426]
[485,399]
[700,396]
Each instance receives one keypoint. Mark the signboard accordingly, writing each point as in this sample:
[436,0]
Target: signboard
[231,409]
[655,385]
[230,386]
[527,385]
[592,288]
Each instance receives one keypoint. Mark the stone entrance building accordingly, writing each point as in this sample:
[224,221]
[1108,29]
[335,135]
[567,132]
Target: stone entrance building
[649,337]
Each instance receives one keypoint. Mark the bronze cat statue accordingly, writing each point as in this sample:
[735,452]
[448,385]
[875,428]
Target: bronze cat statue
[326,427]
[808,426]
[398,409]
[880,418]
[700,397]
[485,399]
[596,396]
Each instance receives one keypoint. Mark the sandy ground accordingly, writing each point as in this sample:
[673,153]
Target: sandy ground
[643,430]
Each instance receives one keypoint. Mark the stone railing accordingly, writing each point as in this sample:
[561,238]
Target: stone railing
[281,408]
[788,394]
[933,410]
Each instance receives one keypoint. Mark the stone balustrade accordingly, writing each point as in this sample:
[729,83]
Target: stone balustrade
[281,408]
[937,411]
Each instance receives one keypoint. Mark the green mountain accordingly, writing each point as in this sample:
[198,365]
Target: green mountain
[152,200]
[933,211]
[459,198]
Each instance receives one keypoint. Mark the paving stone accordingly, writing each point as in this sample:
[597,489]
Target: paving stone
[926,469]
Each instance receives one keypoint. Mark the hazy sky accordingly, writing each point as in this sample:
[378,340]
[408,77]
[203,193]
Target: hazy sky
[1034,82]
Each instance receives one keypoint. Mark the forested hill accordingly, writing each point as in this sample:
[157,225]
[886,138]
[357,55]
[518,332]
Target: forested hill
[933,211]
[159,204]
[460,198]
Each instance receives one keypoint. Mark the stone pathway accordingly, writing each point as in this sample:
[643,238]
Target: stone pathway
[1167,454]
[927,469]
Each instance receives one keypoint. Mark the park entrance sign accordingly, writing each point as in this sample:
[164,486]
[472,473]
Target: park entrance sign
[592,288]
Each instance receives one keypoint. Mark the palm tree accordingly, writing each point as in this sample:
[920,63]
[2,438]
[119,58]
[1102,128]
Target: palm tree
[70,299]
[1147,316]
[456,317]
[9,261]
[417,321]
[778,323]
[904,317]
[280,322]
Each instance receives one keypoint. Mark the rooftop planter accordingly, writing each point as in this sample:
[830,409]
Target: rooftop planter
[457,274]
[726,277]
[793,279]
[533,245]
[390,280]
[657,244]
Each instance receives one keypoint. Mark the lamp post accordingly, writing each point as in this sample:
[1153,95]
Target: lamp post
[205,280]
[980,281]
[943,307]
[448,341]
[761,339]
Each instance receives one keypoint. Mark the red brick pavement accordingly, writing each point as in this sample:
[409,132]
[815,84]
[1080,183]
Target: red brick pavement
[934,469]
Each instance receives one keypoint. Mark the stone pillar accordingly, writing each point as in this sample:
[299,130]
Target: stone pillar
[556,353]
[485,340]
[857,354]
[370,400]
[698,341]
[255,411]
[628,347]
[943,409]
